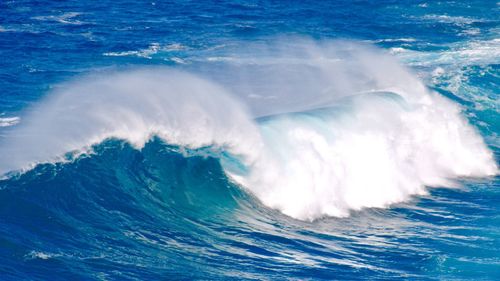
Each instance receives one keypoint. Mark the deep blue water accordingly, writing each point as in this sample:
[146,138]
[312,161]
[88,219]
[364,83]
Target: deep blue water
[161,213]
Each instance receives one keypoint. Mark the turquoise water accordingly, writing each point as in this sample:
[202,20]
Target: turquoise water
[253,140]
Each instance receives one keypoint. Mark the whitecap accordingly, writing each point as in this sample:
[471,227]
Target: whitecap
[9,121]
[39,255]
[65,18]
[148,53]
[456,20]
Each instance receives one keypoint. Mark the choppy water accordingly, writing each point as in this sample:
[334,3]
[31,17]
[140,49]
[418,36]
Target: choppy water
[249,140]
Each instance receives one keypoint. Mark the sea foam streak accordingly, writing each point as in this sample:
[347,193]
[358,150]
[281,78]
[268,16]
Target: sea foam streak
[366,134]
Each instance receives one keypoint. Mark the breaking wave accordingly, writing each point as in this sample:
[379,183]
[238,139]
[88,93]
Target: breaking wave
[319,129]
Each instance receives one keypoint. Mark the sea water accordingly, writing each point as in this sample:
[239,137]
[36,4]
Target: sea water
[249,140]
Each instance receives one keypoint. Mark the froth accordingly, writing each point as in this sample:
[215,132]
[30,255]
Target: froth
[372,152]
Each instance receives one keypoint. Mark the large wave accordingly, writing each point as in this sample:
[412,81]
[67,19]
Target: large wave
[311,129]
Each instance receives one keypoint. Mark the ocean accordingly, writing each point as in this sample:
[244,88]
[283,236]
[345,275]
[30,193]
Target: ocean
[249,140]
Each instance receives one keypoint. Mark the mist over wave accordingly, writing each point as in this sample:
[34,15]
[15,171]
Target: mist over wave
[310,128]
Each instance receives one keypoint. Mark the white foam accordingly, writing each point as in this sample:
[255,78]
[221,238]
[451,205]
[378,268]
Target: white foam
[376,153]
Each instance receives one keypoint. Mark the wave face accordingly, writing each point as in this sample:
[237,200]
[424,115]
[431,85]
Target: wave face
[167,212]
[223,140]
[120,206]
[358,149]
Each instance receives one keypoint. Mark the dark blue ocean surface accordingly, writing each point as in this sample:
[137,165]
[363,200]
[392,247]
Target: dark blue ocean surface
[249,140]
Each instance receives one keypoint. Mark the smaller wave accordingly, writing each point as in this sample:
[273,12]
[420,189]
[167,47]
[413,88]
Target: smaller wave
[473,53]
[395,40]
[66,18]
[9,121]
[18,28]
[39,255]
[455,20]
[178,60]
[149,52]
[450,68]
[471,32]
